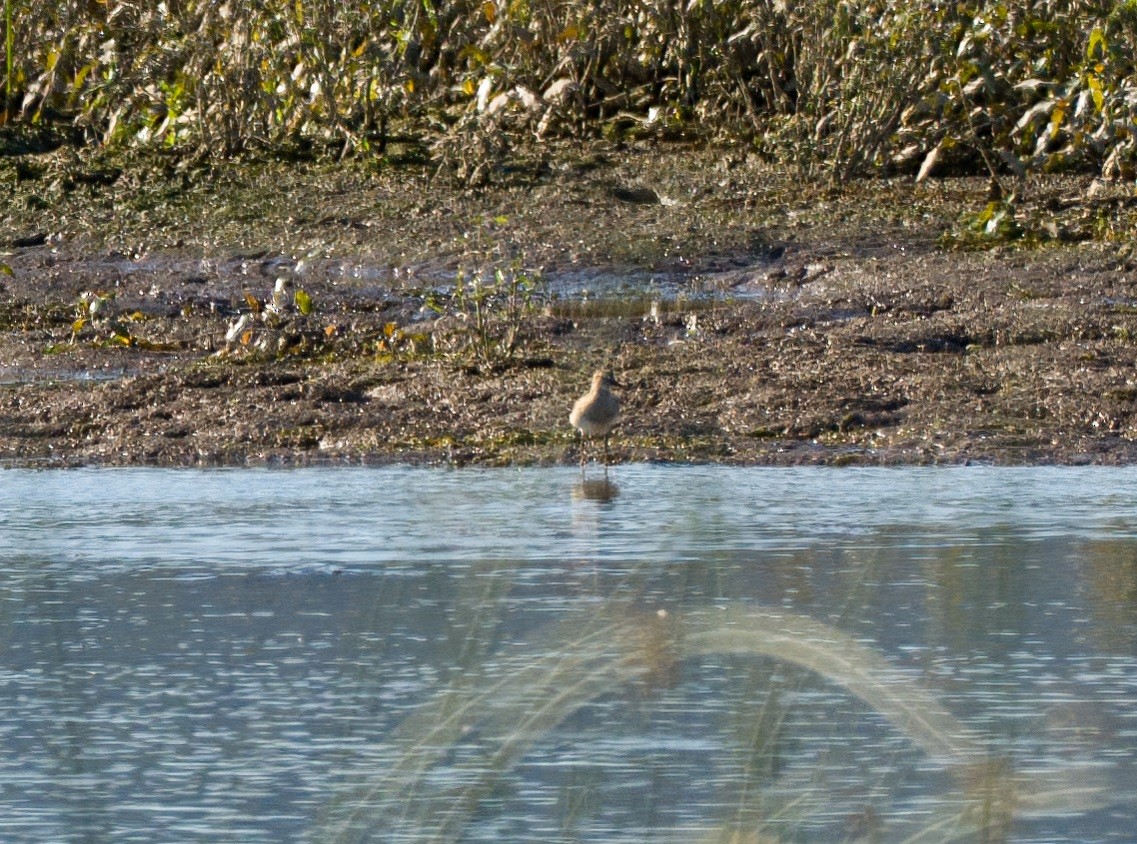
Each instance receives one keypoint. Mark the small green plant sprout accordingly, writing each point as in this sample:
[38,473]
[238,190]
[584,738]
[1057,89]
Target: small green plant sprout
[997,222]
[495,311]
[387,347]
[397,342]
[97,319]
[277,324]
[995,225]
[303,302]
[433,302]
[279,304]
[95,314]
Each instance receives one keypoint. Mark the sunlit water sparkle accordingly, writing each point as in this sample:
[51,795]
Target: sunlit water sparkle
[242,655]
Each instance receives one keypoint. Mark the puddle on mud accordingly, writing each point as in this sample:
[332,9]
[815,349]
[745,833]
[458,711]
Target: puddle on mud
[18,376]
[675,654]
[739,276]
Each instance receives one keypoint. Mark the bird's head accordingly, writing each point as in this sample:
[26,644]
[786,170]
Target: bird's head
[604,378]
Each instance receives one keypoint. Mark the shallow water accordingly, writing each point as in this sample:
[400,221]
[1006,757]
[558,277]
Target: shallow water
[741,277]
[686,653]
[17,376]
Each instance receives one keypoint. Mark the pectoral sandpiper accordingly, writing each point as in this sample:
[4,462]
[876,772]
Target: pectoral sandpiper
[596,412]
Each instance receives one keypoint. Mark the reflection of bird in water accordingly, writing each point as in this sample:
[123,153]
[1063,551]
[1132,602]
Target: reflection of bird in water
[595,490]
[596,412]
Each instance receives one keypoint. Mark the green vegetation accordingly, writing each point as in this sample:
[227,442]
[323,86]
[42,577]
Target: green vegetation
[495,311]
[845,87]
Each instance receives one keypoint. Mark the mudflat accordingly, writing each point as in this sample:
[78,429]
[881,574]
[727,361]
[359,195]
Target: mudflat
[169,313]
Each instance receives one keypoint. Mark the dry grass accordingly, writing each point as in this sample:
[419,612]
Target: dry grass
[845,86]
[496,713]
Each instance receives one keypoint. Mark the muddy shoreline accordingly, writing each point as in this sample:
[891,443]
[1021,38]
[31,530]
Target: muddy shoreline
[751,318]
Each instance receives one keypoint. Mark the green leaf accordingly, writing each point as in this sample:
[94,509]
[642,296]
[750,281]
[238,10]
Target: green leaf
[1056,117]
[1096,92]
[5,269]
[303,302]
[1096,43]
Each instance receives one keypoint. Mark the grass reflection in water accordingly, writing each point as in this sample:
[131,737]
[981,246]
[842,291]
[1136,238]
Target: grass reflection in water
[424,789]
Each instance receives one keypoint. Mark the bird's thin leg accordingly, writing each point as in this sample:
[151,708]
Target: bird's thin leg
[582,453]
[605,451]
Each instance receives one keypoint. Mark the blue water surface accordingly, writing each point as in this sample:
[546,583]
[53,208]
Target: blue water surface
[254,655]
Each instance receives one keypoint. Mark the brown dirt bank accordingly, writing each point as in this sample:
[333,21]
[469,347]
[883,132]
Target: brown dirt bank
[809,327]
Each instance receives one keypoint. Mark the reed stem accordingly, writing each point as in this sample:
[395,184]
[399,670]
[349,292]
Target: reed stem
[7,57]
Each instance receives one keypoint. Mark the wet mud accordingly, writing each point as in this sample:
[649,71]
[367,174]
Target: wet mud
[750,317]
